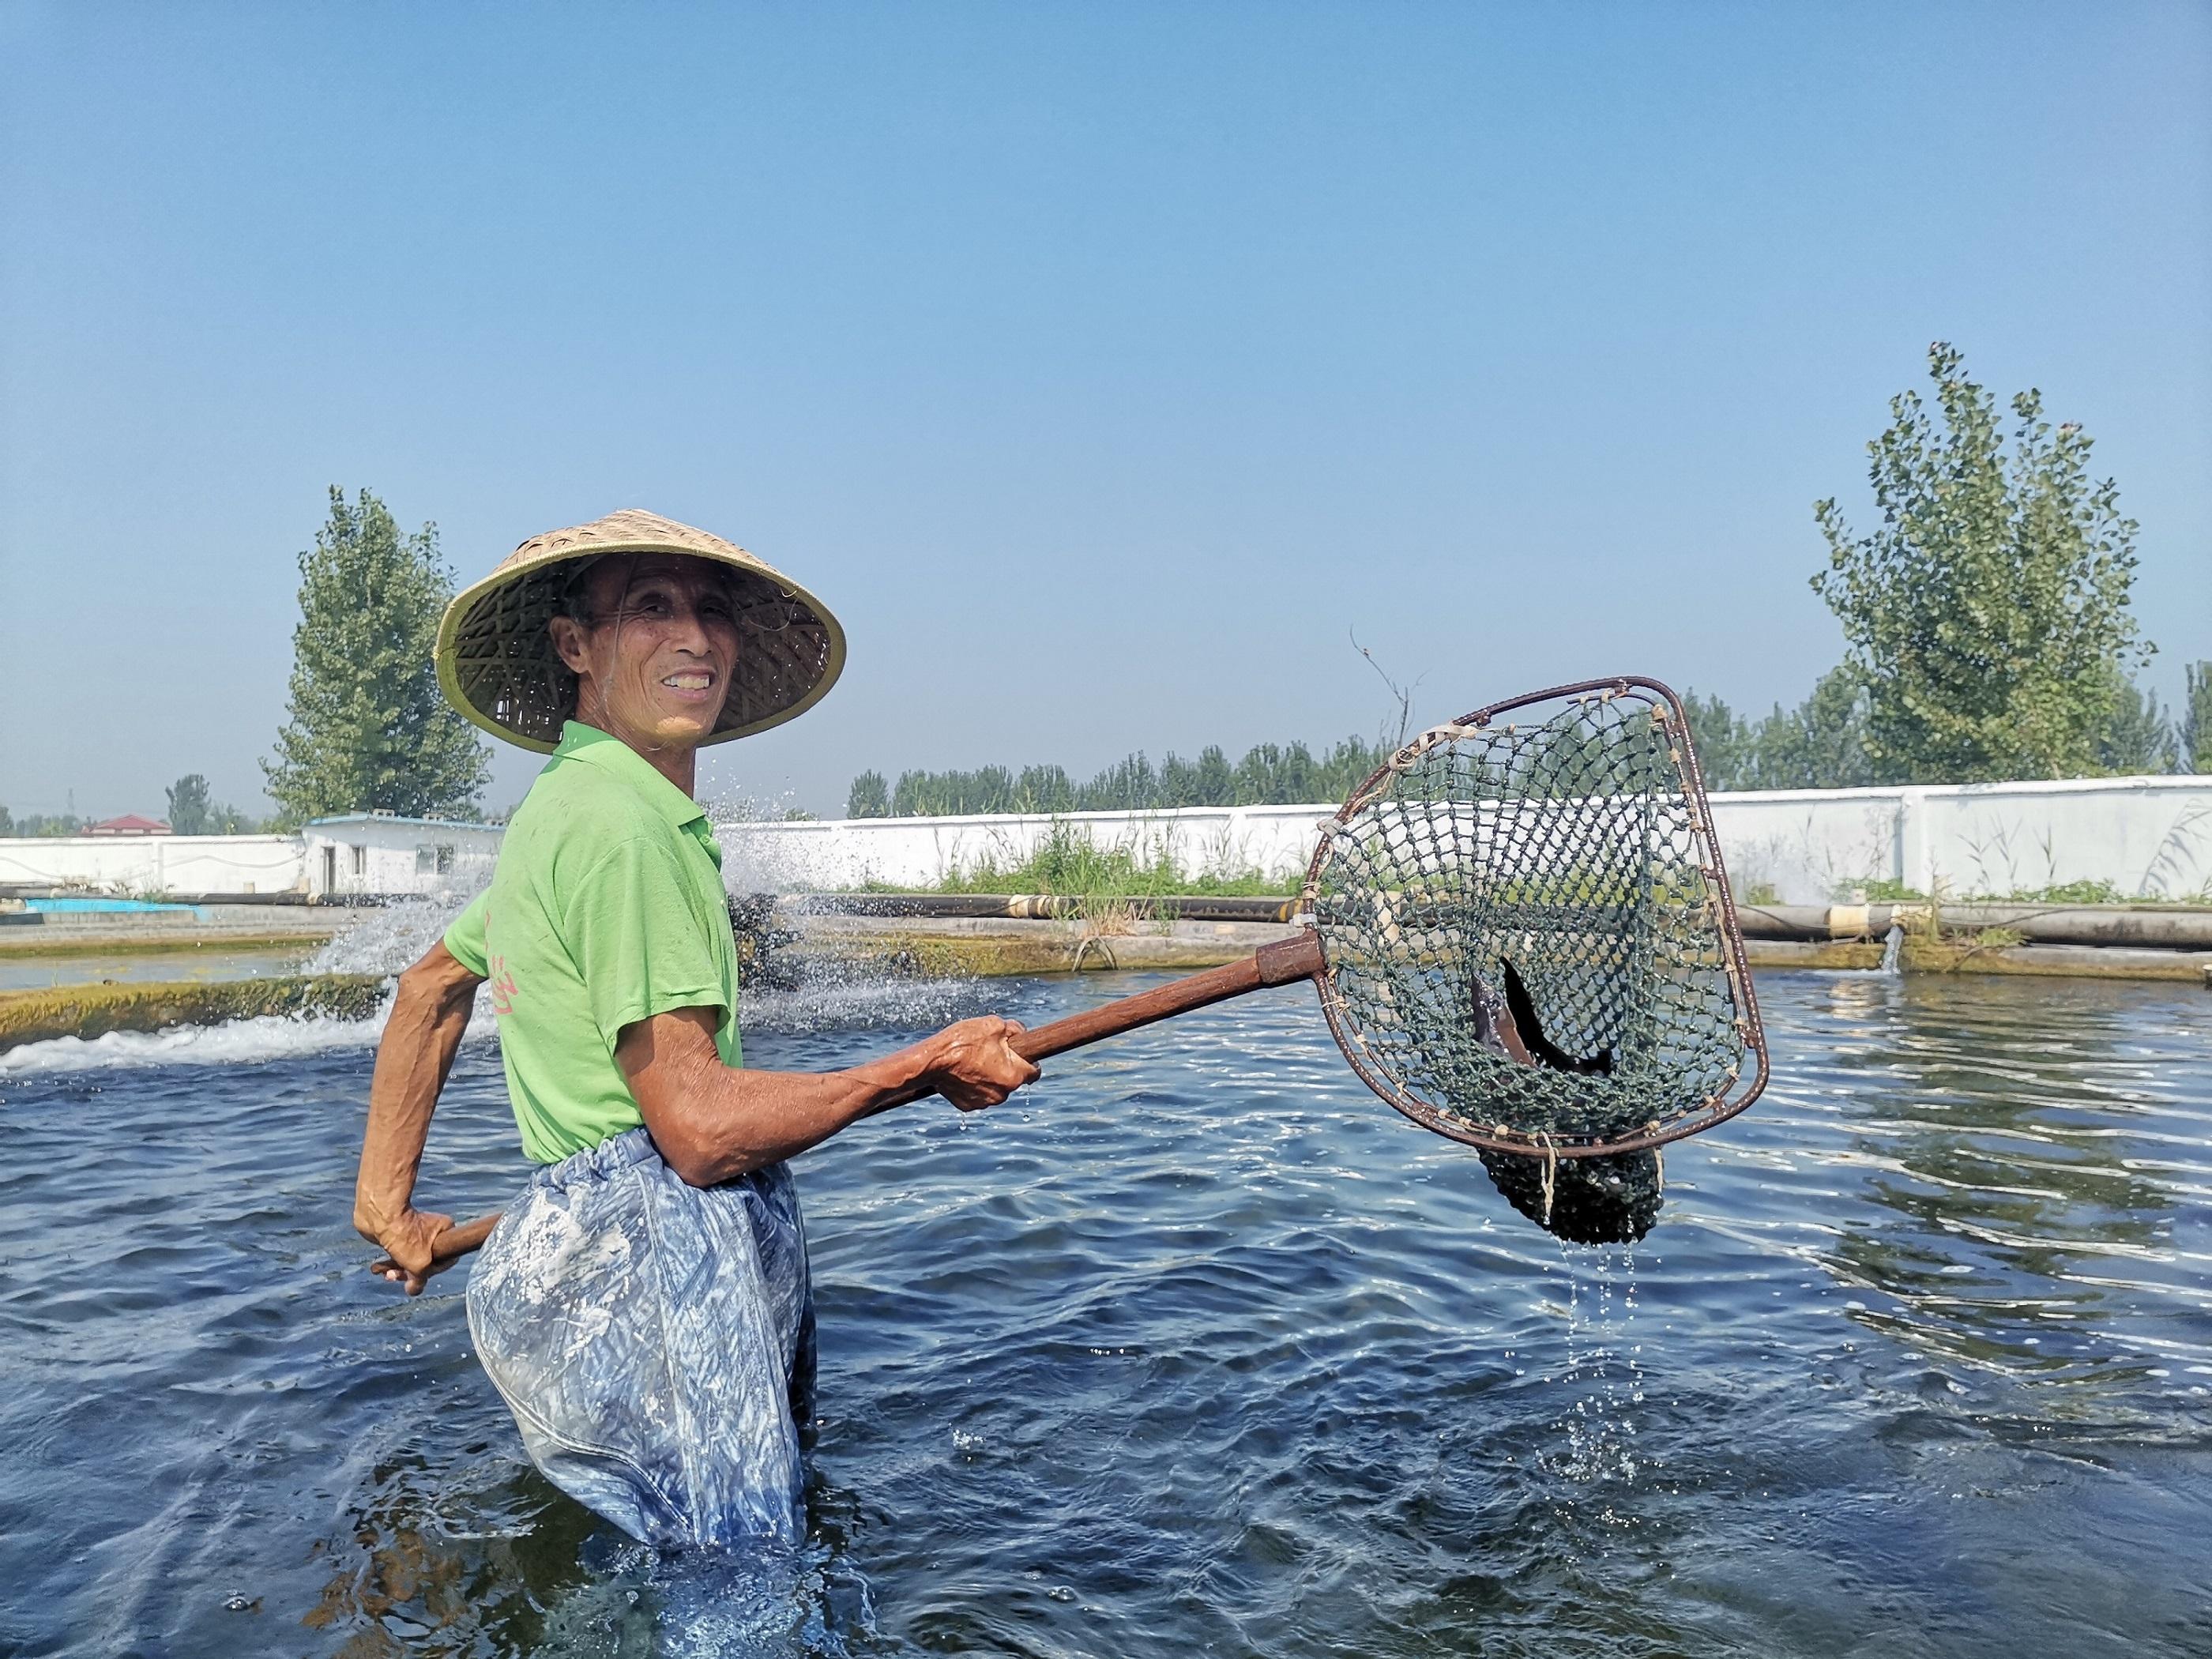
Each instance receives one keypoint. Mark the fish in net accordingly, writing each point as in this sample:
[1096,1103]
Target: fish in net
[1531,948]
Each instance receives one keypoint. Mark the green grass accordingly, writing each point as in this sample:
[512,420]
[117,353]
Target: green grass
[1887,892]
[1071,865]
[2070,892]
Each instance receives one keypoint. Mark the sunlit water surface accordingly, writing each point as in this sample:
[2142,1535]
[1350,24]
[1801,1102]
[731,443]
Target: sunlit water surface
[1198,1348]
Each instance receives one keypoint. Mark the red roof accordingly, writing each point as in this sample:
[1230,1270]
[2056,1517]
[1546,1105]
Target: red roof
[129,824]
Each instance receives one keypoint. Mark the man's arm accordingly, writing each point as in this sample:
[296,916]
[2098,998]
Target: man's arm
[713,1122]
[429,1016]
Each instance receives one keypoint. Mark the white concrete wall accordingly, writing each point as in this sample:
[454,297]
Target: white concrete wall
[2150,837]
[917,852]
[184,866]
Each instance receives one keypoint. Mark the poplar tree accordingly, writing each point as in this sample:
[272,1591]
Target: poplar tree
[869,797]
[1988,617]
[188,804]
[2195,735]
[1724,742]
[2138,736]
[368,729]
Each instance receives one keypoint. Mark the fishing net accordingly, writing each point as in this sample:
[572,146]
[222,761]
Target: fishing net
[1531,946]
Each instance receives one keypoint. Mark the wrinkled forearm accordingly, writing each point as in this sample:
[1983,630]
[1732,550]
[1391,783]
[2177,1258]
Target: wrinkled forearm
[713,1122]
[429,1014]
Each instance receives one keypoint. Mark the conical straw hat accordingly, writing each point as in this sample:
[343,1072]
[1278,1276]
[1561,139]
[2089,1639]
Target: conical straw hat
[497,664]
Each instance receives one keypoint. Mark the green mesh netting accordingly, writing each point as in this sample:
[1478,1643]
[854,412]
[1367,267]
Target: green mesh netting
[1529,940]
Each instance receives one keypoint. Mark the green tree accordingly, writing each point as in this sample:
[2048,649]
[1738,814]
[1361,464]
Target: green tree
[1988,614]
[1269,774]
[1819,744]
[2137,737]
[2196,733]
[7,823]
[368,727]
[1215,784]
[188,804]
[224,819]
[1724,742]
[1044,789]
[869,797]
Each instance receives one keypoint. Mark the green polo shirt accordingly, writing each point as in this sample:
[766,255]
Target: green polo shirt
[606,908]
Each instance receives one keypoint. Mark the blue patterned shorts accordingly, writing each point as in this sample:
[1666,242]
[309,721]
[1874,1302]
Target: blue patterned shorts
[655,1341]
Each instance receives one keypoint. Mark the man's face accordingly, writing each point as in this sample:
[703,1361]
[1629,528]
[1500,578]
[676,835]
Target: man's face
[654,649]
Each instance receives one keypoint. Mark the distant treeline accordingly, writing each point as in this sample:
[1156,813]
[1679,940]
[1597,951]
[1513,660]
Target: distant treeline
[191,812]
[1819,744]
[1270,775]
[1822,744]
[42,824]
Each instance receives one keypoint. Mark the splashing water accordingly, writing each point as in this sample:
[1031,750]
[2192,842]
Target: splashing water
[862,1002]
[1892,949]
[237,1042]
[760,864]
[387,939]
[832,995]
[1595,1455]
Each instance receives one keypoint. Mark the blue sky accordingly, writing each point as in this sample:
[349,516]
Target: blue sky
[1105,367]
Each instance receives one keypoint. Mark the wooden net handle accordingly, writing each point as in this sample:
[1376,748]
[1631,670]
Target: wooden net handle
[1279,964]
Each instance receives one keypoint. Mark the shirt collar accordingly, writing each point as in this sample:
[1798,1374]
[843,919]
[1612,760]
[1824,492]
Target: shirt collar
[617,759]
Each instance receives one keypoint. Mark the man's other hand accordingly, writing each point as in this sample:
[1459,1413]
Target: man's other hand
[975,1066]
[406,1240]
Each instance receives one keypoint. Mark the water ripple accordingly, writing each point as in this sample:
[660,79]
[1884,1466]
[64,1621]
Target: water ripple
[1196,1348]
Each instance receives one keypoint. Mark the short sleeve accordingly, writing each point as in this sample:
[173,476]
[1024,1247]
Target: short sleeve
[637,944]
[464,936]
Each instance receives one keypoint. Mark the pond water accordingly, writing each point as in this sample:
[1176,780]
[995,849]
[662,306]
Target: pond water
[1197,1348]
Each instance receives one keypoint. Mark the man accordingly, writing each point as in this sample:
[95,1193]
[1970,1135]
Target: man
[644,1306]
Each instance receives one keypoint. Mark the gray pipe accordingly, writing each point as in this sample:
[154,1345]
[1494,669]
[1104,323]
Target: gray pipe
[2174,929]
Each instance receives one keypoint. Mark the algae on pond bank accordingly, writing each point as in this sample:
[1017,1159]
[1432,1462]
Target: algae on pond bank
[91,1011]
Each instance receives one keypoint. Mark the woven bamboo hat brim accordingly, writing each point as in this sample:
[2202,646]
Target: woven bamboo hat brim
[497,666]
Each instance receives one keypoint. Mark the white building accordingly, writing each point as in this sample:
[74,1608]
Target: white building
[384,855]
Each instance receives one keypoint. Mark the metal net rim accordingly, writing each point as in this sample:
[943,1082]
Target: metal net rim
[1715,1108]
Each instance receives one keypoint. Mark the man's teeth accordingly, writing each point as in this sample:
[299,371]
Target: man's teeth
[689,682]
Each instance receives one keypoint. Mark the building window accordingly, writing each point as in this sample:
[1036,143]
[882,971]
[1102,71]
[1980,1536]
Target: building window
[436,860]
[360,860]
